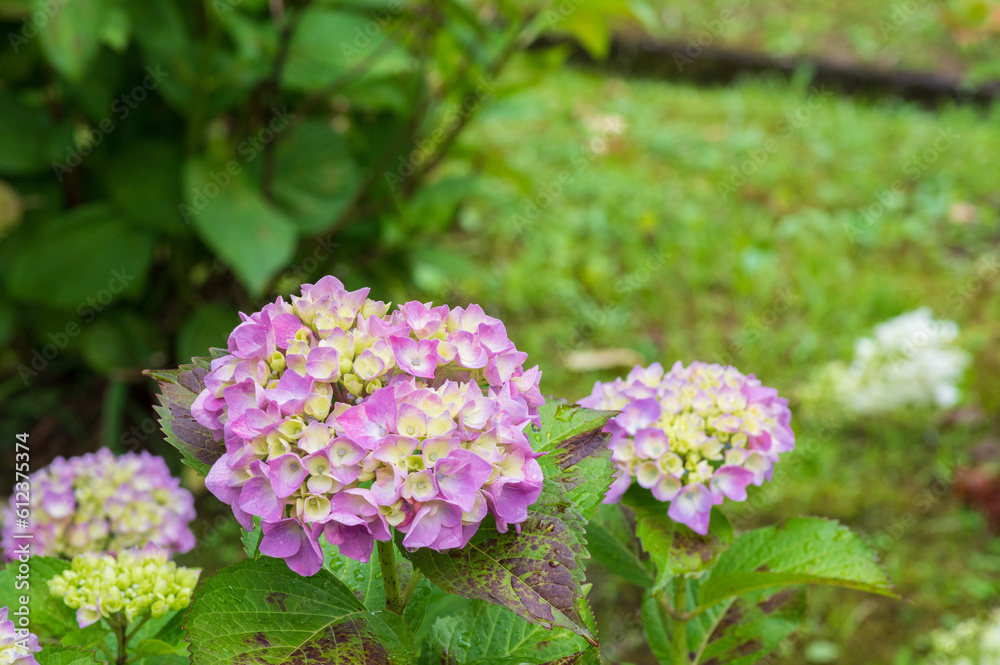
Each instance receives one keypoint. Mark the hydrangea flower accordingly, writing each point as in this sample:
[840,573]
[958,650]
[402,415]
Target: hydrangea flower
[342,420]
[17,646]
[973,641]
[693,436]
[134,582]
[102,503]
[911,360]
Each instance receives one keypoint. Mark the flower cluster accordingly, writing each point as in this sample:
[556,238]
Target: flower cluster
[341,419]
[102,503]
[17,646]
[134,582]
[910,360]
[693,436]
[975,641]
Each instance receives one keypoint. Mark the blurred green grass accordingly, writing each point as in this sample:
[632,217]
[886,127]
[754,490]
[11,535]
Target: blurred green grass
[634,247]
[955,38]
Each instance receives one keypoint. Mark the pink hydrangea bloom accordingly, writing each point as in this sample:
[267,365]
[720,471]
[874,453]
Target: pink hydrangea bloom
[694,436]
[342,420]
[17,645]
[101,503]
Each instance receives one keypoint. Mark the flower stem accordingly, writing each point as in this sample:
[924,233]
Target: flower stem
[390,578]
[411,586]
[680,625]
[121,627]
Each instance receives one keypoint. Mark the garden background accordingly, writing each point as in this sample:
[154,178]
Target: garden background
[756,184]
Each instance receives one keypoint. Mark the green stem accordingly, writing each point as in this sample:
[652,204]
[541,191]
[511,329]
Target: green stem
[411,586]
[122,626]
[112,413]
[680,625]
[137,627]
[390,578]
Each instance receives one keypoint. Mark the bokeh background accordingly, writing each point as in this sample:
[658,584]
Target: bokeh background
[621,182]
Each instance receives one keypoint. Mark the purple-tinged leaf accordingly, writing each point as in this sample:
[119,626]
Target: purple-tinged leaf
[537,574]
[178,390]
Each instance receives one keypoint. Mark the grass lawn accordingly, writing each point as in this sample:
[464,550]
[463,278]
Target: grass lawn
[767,226]
[955,37]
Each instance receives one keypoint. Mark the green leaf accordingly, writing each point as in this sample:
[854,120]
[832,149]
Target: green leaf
[364,578]
[738,630]
[117,29]
[249,234]
[51,618]
[803,550]
[168,640]
[122,340]
[165,41]
[29,142]
[57,654]
[71,34]
[674,547]
[261,606]
[330,43]
[561,421]
[577,454]
[178,390]
[251,539]
[154,647]
[753,625]
[591,31]
[315,176]
[144,181]
[537,574]
[614,555]
[415,613]
[485,634]
[107,258]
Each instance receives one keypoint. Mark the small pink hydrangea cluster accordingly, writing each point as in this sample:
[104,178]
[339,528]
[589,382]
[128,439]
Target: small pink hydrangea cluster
[101,503]
[693,436]
[18,646]
[343,420]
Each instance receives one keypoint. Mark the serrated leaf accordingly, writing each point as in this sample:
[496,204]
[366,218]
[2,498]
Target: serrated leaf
[178,390]
[561,420]
[803,550]
[537,574]
[674,547]
[485,634]
[262,607]
[576,452]
[57,654]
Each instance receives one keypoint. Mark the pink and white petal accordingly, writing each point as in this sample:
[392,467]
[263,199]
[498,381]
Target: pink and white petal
[693,507]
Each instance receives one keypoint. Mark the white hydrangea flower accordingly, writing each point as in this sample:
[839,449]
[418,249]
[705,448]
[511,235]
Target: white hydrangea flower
[911,360]
[975,641]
